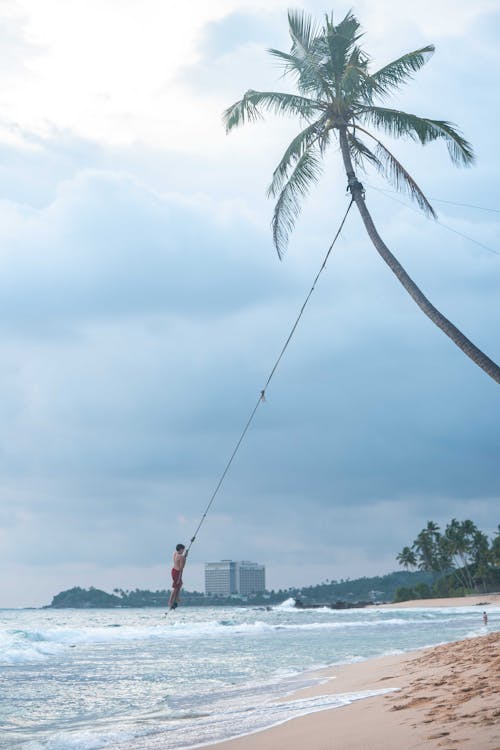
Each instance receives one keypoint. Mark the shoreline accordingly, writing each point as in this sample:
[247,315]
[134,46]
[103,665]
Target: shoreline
[476,600]
[443,697]
[462,601]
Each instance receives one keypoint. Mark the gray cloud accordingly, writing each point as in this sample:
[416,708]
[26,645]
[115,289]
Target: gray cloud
[142,306]
[116,431]
[107,246]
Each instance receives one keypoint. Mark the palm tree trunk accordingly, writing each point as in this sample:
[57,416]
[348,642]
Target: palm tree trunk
[470,349]
[460,576]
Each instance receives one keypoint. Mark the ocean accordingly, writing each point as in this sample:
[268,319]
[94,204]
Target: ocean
[135,679]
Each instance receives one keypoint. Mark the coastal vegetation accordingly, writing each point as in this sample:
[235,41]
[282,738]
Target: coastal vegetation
[461,559]
[377,588]
[342,102]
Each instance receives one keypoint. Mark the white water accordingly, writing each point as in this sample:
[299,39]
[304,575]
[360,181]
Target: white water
[137,680]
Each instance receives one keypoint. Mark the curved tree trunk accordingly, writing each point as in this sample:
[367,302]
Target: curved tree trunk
[470,349]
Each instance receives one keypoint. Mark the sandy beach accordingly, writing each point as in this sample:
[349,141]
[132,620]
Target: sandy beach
[459,601]
[444,697]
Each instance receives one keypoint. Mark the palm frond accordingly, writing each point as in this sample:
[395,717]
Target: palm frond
[460,150]
[397,124]
[355,75]
[393,170]
[339,42]
[303,31]
[347,29]
[360,152]
[306,70]
[398,72]
[324,139]
[276,102]
[291,63]
[307,171]
[303,60]
[240,112]
[304,140]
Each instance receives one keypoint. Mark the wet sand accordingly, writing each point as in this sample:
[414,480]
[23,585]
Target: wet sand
[447,698]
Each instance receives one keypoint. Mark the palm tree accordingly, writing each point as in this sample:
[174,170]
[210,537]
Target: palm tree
[495,548]
[340,99]
[426,550]
[460,537]
[407,558]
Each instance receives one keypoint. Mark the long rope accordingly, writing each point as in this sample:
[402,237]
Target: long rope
[262,395]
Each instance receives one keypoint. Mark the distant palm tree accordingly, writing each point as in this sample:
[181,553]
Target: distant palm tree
[462,537]
[407,558]
[495,548]
[337,97]
[425,546]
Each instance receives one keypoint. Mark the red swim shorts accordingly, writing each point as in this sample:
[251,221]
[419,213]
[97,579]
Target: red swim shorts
[176,579]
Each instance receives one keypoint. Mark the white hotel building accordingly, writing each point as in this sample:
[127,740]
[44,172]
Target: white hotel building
[229,577]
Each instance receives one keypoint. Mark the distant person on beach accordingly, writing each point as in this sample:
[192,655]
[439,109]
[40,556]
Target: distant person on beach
[178,566]
[485,618]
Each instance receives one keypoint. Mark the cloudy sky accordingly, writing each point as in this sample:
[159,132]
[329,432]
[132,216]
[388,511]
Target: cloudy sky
[142,304]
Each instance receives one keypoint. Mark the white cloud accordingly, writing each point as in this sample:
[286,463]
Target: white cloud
[108,71]
[384,19]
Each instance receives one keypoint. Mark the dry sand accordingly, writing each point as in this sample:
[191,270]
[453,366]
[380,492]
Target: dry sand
[462,601]
[447,699]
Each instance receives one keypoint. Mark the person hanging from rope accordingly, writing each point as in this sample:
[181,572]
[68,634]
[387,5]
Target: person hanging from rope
[181,552]
[179,563]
